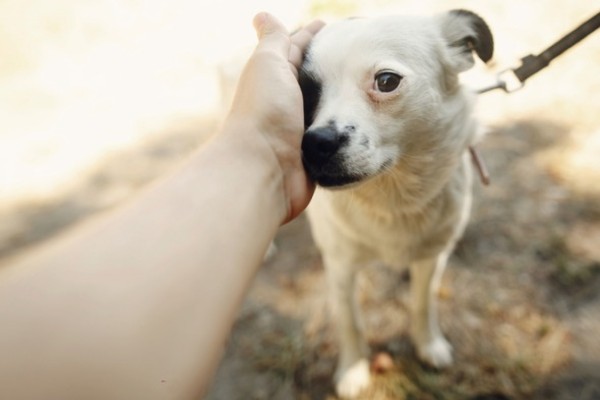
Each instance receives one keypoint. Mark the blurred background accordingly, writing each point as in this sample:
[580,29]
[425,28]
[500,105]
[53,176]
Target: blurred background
[98,98]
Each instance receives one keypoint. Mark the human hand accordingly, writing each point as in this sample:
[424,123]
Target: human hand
[268,103]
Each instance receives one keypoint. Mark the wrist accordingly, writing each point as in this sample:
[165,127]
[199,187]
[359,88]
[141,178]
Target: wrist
[243,149]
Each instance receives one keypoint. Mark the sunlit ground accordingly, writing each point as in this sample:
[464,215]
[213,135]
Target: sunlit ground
[80,79]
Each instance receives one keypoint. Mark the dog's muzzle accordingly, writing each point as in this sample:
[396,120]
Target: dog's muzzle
[322,157]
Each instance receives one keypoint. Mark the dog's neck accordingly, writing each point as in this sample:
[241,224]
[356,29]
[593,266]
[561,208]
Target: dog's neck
[408,189]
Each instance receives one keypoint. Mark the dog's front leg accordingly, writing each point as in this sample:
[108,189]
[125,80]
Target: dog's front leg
[432,347]
[352,374]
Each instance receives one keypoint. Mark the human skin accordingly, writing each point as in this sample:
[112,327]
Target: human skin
[138,303]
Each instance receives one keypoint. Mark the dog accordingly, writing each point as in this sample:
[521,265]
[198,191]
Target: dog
[388,126]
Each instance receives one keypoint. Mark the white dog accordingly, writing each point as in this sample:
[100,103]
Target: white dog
[388,128]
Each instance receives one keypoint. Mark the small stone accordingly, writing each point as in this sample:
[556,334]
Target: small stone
[382,362]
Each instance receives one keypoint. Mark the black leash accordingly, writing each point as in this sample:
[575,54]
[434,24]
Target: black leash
[511,80]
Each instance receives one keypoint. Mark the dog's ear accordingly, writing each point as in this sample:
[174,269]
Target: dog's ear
[465,32]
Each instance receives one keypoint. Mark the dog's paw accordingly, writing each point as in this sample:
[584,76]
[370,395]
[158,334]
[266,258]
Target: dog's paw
[436,353]
[353,380]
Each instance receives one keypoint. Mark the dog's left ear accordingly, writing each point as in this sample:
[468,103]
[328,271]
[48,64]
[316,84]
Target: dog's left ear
[465,32]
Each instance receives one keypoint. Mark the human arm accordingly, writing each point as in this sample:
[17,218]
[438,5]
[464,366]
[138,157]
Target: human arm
[138,304]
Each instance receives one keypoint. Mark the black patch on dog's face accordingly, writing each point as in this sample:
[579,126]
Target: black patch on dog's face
[311,93]
[330,181]
[328,174]
[323,157]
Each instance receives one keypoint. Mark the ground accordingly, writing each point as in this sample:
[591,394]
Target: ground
[520,299]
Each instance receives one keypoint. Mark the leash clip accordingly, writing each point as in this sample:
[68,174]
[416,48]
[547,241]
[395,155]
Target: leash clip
[506,80]
[509,80]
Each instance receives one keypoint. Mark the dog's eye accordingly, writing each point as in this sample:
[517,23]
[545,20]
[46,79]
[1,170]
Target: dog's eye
[386,82]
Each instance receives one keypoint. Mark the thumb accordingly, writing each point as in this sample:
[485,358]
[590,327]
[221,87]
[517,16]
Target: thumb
[271,33]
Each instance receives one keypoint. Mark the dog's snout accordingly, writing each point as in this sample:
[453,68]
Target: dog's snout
[320,144]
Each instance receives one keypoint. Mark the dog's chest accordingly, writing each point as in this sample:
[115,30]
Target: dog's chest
[361,230]
[393,238]
[363,234]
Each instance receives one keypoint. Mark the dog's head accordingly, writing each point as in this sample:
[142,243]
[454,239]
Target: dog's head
[377,89]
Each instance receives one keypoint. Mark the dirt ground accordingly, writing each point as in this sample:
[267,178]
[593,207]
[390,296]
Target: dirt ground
[520,300]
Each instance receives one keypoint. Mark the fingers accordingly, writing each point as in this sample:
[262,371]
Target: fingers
[302,37]
[300,40]
[271,33]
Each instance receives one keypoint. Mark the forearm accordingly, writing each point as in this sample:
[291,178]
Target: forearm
[137,305]
[121,309]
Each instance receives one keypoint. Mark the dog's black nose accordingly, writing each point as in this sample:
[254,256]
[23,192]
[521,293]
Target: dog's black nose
[320,144]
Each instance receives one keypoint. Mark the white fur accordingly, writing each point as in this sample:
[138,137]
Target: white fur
[410,146]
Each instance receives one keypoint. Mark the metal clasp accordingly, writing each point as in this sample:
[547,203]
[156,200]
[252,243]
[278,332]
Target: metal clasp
[505,80]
